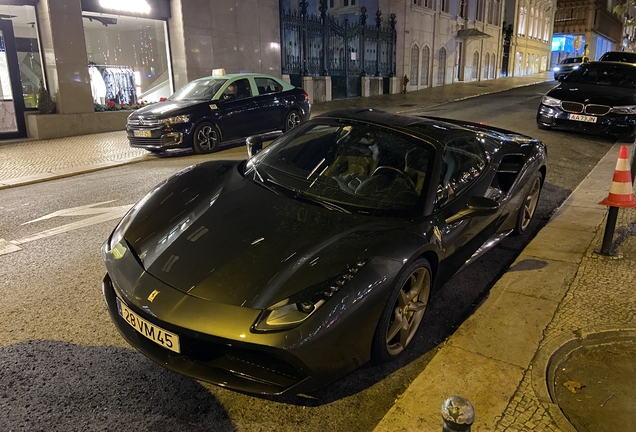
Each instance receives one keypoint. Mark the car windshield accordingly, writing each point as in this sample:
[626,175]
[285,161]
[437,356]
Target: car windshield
[619,56]
[606,74]
[198,90]
[354,167]
[572,60]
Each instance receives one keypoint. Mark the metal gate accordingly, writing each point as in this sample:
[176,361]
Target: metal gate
[319,45]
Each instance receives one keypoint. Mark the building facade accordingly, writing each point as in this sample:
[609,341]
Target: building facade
[587,27]
[530,24]
[88,52]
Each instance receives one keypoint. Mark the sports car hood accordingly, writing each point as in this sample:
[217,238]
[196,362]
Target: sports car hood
[219,236]
[165,109]
[592,93]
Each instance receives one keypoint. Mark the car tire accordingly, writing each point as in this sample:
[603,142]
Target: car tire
[403,312]
[205,138]
[529,205]
[292,119]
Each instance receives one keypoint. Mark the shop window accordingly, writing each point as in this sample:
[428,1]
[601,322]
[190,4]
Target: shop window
[30,63]
[136,47]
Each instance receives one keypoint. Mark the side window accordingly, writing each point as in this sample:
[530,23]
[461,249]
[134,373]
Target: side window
[463,161]
[239,89]
[267,85]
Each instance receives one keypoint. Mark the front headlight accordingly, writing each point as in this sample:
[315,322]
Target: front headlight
[556,69]
[550,101]
[575,67]
[177,119]
[627,109]
[291,312]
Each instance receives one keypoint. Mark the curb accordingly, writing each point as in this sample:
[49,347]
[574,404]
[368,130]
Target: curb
[69,172]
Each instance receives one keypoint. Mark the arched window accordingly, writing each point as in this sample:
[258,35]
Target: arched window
[521,30]
[415,63]
[441,67]
[493,59]
[486,66]
[531,26]
[426,59]
[497,13]
[475,65]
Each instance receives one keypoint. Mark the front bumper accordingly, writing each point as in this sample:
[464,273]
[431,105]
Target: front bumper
[156,138]
[226,362]
[613,124]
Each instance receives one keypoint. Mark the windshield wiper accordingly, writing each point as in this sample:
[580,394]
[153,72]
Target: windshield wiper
[260,177]
[299,194]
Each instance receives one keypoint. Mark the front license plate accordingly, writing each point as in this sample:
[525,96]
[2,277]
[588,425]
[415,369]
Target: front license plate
[154,333]
[583,118]
[142,133]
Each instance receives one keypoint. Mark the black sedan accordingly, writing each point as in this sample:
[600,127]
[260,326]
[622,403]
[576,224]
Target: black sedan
[286,271]
[214,111]
[599,97]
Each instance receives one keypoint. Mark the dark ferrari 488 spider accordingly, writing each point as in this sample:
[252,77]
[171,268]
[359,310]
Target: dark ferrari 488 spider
[286,271]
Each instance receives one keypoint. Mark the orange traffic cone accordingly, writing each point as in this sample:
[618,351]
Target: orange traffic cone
[621,193]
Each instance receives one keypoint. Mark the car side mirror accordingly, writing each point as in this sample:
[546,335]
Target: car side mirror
[477,206]
[254,145]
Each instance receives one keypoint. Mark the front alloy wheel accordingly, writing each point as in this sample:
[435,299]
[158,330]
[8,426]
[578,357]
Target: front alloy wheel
[404,311]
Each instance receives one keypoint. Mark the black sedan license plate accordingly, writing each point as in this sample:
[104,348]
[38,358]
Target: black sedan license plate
[583,118]
[154,333]
[142,133]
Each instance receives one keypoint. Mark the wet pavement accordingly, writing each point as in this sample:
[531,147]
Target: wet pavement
[553,346]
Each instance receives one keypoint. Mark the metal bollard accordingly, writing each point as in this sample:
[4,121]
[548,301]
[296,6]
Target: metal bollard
[610,226]
[458,414]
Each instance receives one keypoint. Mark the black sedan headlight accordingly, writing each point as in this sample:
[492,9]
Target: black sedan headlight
[625,110]
[550,101]
[293,311]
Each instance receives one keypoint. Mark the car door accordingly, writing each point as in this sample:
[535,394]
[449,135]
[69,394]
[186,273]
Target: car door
[239,111]
[270,103]
[465,173]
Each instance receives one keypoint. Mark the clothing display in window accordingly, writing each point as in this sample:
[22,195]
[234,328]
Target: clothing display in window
[98,87]
[120,84]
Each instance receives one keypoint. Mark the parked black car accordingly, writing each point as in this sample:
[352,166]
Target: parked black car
[598,97]
[619,56]
[210,112]
[282,273]
[567,65]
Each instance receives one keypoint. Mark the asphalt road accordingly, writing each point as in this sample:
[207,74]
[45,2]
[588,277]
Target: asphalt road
[65,367]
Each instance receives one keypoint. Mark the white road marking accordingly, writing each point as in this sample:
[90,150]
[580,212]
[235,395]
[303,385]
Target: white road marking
[102,214]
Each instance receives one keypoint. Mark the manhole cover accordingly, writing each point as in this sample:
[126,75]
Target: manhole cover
[595,386]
